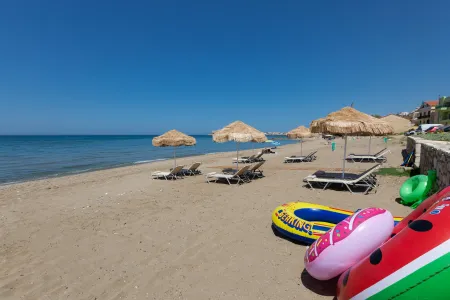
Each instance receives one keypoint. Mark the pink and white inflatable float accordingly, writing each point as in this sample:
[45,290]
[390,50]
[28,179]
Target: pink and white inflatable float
[348,242]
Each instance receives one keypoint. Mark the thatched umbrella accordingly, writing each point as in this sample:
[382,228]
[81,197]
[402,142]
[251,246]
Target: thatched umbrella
[173,138]
[349,121]
[299,133]
[238,132]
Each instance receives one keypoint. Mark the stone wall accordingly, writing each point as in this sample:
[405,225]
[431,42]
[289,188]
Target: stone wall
[432,155]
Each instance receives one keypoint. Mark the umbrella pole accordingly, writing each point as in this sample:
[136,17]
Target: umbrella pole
[174,157]
[237,155]
[345,155]
[301,147]
[370,142]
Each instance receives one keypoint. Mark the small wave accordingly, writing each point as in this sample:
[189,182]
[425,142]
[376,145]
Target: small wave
[11,182]
[148,161]
[82,171]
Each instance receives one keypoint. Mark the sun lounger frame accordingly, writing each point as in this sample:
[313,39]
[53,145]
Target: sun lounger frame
[255,170]
[193,169]
[379,158]
[366,179]
[175,173]
[310,157]
[240,176]
[250,159]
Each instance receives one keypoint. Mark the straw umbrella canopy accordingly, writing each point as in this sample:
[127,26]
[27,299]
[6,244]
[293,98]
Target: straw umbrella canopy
[299,133]
[349,121]
[173,138]
[239,132]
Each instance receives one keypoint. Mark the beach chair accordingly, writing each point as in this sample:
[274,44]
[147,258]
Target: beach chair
[175,173]
[255,170]
[254,158]
[192,170]
[268,151]
[259,157]
[378,153]
[309,158]
[244,160]
[372,178]
[239,176]
[376,158]
[365,179]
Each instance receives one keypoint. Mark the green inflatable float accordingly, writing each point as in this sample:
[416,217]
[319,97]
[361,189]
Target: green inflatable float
[416,189]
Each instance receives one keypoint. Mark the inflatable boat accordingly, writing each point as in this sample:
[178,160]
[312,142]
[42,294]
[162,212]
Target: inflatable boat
[306,222]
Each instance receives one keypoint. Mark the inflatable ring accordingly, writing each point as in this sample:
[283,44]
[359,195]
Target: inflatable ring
[306,222]
[413,189]
[349,242]
[416,188]
[413,264]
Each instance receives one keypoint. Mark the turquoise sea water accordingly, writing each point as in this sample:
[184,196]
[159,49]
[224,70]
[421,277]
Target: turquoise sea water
[32,157]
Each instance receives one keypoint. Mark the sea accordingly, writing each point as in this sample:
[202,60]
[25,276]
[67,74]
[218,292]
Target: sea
[24,158]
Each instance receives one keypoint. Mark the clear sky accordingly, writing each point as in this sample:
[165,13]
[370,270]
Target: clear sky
[106,67]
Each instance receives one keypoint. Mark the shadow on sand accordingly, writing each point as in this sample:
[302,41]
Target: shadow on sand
[320,287]
[279,235]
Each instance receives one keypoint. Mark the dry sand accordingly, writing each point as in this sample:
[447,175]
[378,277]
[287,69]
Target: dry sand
[399,124]
[117,234]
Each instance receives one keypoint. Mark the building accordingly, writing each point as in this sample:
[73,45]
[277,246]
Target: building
[427,112]
[443,110]
[414,116]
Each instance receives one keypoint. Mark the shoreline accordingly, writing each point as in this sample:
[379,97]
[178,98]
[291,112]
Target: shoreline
[127,165]
[29,158]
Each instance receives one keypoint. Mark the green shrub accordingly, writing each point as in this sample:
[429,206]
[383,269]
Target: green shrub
[441,136]
[394,172]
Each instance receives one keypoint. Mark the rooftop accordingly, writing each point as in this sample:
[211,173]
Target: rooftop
[432,102]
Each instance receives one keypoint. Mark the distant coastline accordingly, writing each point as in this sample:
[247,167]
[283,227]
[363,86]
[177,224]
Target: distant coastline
[36,157]
[266,133]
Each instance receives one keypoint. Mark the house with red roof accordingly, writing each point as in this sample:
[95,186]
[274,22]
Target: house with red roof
[426,114]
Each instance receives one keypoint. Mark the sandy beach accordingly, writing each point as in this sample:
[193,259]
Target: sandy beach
[118,234]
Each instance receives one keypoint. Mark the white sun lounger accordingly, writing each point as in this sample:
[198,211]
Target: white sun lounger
[377,158]
[244,160]
[239,176]
[258,157]
[292,159]
[193,169]
[173,174]
[363,180]
[255,171]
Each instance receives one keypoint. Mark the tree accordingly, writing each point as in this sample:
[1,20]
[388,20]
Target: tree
[377,116]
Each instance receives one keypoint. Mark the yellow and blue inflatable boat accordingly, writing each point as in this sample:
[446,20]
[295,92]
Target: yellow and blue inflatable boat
[306,222]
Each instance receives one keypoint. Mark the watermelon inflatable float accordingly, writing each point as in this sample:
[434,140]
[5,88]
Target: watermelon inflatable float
[413,264]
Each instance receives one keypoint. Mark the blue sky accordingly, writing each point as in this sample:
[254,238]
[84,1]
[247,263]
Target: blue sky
[105,67]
